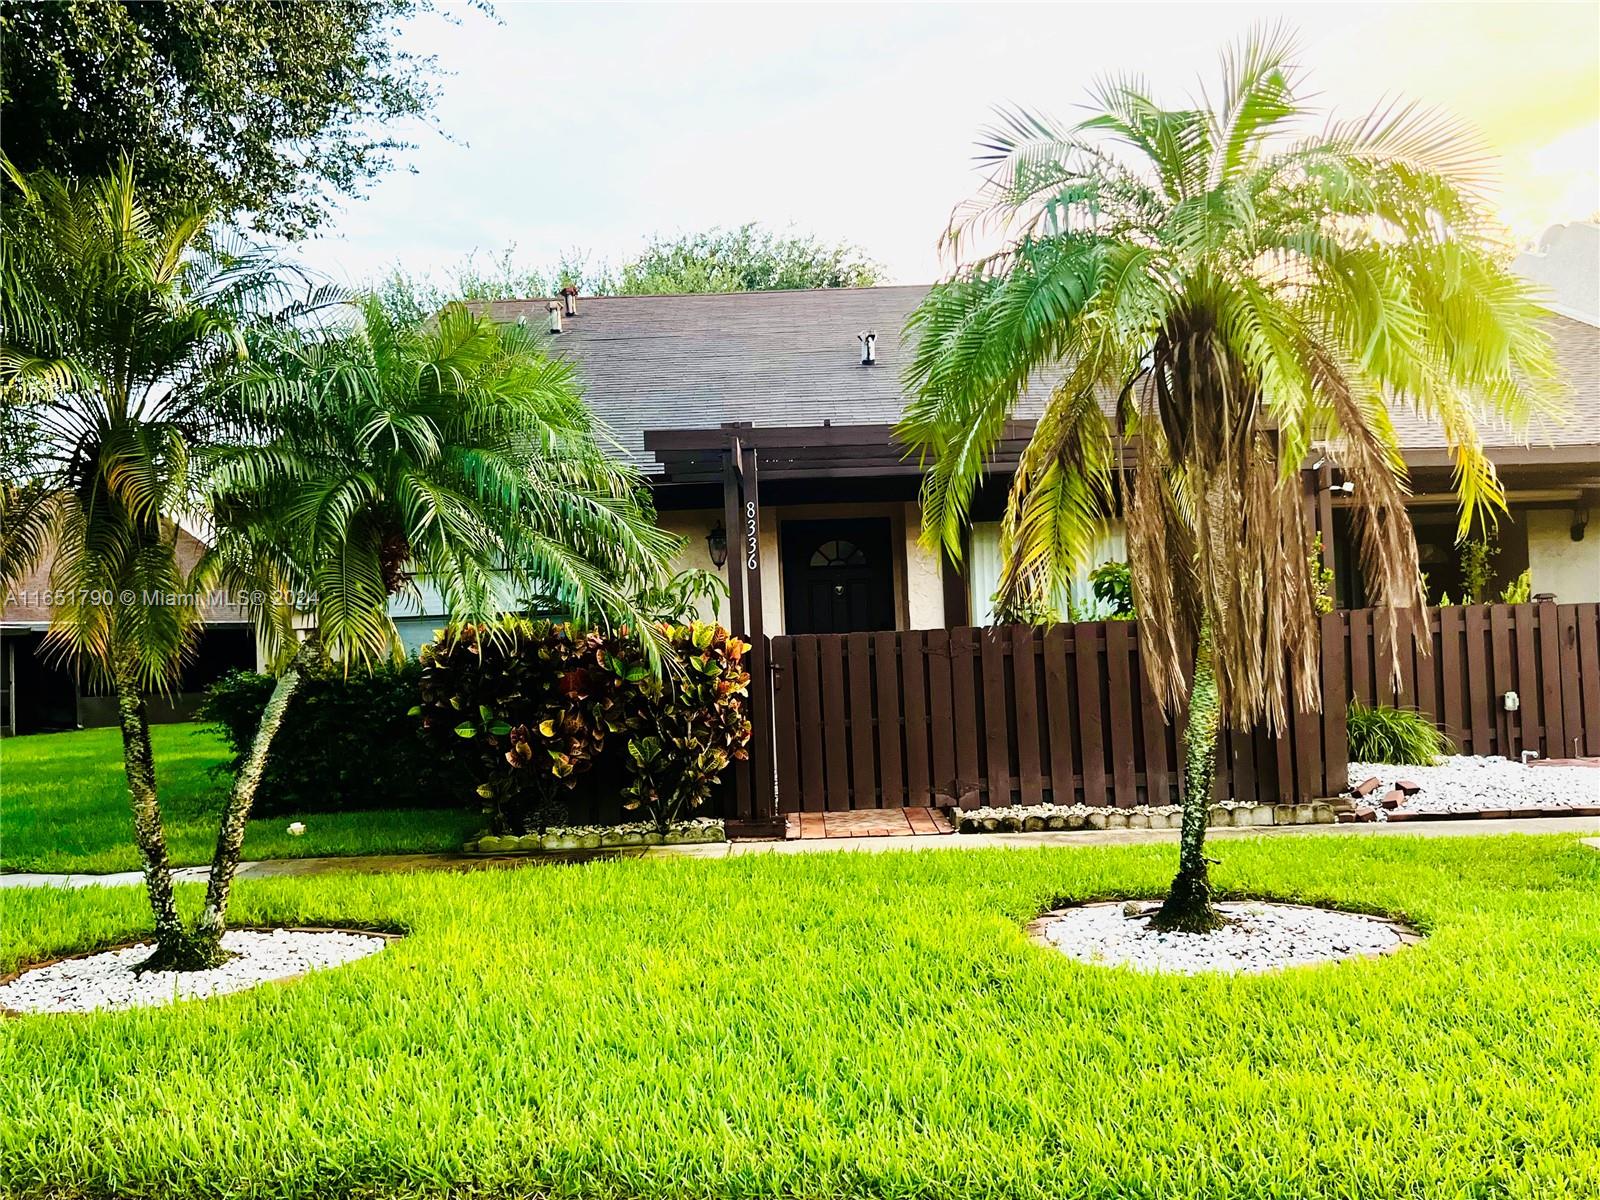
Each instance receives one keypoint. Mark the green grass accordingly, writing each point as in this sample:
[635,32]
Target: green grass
[839,1025]
[64,807]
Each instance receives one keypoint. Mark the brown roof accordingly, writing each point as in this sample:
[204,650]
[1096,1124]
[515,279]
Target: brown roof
[29,601]
[792,358]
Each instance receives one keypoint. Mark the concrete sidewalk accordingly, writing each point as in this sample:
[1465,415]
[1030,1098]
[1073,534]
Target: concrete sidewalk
[295,867]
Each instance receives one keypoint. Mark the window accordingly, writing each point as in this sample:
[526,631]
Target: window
[838,553]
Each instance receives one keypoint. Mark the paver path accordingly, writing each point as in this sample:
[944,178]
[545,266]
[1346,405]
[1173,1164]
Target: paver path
[275,868]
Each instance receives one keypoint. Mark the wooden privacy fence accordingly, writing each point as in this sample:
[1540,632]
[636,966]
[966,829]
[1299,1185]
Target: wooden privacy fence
[1000,715]
[1022,714]
[1548,654]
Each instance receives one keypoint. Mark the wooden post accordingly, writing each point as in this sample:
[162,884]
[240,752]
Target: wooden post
[763,796]
[733,521]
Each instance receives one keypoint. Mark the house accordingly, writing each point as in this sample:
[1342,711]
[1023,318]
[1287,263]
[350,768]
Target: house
[40,693]
[782,404]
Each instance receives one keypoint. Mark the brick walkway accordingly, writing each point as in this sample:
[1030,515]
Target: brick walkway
[869,822]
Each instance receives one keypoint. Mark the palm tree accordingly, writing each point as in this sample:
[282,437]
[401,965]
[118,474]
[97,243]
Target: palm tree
[112,321]
[1213,291]
[331,464]
[378,459]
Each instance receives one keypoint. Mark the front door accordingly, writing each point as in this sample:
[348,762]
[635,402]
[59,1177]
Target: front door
[838,575]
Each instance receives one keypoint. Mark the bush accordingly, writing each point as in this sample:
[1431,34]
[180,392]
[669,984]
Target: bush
[1401,736]
[347,744]
[531,707]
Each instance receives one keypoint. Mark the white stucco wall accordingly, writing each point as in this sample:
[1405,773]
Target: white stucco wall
[692,525]
[1558,564]
[924,583]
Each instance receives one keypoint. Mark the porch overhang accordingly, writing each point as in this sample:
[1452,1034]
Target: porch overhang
[805,452]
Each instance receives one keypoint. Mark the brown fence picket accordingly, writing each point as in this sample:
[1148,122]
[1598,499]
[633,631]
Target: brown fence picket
[835,731]
[942,716]
[1025,704]
[809,703]
[785,726]
[964,710]
[992,644]
[1335,700]
[1500,658]
[1153,726]
[1571,682]
[1589,674]
[914,692]
[1530,717]
[1058,689]
[1119,692]
[1480,720]
[886,675]
[863,768]
[1091,722]
[1452,673]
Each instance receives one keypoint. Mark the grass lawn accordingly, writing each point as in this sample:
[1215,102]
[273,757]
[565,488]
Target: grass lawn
[64,807]
[839,1025]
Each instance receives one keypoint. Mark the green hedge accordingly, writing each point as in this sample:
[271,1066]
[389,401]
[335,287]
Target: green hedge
[347,744]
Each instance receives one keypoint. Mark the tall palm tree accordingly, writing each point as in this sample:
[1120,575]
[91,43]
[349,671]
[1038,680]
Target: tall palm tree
[378,458]
[113,320]
[149,387]
[1212,291]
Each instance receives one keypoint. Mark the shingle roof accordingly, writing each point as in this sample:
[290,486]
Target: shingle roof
[792,358]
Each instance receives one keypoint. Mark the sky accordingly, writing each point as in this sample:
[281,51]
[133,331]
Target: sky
[594,126]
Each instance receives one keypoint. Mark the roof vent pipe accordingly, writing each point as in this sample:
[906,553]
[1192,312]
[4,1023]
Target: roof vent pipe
[869,348]
[569,295]
[555,316]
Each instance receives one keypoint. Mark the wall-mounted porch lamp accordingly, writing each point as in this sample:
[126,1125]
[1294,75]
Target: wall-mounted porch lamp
[717,545]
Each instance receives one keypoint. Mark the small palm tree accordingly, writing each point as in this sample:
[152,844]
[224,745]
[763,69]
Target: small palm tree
[1213,292]
[148,390]
[114,320]
[379,460]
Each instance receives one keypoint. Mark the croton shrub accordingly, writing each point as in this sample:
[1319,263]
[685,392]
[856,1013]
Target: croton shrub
[533,707]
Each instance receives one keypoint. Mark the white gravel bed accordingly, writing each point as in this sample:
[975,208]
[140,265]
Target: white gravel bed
[1261,937]
[1469,783]
[106,981]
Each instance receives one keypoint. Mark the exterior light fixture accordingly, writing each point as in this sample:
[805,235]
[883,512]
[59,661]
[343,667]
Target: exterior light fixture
[717,545]
[1347,487]
[1580,519]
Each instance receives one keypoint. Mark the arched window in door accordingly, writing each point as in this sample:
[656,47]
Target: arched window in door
[838,553]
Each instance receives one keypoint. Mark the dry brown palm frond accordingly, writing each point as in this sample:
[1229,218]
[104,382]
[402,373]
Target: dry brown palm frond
[1364,446]
[1161,557]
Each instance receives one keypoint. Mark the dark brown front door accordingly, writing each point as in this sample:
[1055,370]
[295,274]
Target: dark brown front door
[838,575]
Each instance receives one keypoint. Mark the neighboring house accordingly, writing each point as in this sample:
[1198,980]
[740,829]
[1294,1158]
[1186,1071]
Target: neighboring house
[679,378]
[38,692]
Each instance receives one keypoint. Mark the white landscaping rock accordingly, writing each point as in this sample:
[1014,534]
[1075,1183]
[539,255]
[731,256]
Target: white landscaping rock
[1260,937]
[1469,783]
[105,981]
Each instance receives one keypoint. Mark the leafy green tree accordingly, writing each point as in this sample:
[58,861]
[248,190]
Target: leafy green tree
[746,259]
[1227,291]
[267,109]
[330,462]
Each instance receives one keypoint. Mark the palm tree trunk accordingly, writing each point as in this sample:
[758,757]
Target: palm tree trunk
[1188,904]
[139,762]
[230,838]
